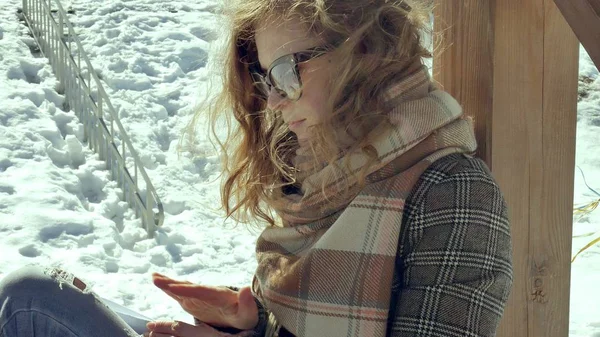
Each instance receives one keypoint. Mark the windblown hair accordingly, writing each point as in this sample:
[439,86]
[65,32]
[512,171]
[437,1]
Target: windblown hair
[375,43]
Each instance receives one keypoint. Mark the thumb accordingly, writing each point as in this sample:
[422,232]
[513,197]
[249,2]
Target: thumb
[246,298]
[248,309]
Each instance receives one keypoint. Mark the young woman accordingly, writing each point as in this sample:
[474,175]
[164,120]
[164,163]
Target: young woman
[380,221]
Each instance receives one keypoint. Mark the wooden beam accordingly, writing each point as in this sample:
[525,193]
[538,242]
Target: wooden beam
[518,87]
[525,108]
[584,18]
[552,168]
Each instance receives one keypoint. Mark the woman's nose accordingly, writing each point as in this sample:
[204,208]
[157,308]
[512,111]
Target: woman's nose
[275,101]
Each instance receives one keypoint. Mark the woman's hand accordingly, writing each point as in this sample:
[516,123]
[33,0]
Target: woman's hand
[217,306]
[181,329]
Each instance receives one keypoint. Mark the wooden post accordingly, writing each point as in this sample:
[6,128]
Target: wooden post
[513,64]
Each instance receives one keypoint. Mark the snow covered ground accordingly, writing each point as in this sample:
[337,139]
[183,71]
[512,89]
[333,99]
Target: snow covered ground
[585,271]
[58,207]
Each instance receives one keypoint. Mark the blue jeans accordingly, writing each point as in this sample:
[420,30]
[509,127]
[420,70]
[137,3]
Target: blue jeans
[53,303]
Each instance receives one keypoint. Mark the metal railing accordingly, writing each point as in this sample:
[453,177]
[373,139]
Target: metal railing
[86,96]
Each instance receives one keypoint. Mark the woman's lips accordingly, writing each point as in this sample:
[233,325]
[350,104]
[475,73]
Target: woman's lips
[295,124]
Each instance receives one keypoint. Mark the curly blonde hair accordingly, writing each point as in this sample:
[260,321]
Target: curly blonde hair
[376,42]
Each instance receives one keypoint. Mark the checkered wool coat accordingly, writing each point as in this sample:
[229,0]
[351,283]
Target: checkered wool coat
[454,264]
[453,270]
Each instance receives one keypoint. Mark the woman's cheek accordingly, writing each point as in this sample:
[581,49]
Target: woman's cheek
[316,90]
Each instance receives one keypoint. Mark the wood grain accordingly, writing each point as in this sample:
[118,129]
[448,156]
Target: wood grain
[517,112]
[551,240]
[463,60]
[513,65]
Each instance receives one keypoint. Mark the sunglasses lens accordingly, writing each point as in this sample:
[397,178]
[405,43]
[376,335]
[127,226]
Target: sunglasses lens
[285,80]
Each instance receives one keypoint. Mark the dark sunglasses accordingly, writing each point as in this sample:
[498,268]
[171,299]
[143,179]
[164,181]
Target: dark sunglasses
[283,74]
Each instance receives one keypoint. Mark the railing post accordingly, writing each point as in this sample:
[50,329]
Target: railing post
[100,135]
[46,13]
[60,42]
[149,216]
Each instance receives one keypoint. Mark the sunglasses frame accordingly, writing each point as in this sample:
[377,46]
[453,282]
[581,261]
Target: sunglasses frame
[293,60]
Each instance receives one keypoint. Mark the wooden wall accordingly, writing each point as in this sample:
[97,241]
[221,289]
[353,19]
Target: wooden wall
[513,64]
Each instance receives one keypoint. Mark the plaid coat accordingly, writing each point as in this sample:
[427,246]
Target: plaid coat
[453,271]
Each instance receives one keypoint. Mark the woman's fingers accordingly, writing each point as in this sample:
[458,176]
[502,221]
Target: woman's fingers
[176,297]
[181,329]
[163,281]
[215,305]
[166,290]
[219,297]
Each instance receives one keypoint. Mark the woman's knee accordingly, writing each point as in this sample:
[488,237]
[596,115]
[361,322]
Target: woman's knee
[33,281]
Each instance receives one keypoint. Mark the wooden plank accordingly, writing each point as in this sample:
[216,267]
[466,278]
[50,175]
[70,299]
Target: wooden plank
[517,112]
[584,18]
[552,210]
[463,62]
[525,110]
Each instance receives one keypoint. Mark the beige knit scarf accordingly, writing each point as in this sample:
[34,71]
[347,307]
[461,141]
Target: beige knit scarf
[330,274]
